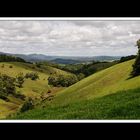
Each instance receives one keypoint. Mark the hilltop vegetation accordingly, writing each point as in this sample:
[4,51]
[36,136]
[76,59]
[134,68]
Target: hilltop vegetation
[6,58]
[83,70]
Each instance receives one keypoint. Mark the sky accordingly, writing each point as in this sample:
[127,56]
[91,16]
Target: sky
[70,38]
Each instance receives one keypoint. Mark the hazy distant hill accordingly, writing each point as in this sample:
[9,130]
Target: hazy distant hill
[63,59]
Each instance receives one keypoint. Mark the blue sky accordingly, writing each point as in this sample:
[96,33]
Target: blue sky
[70,38]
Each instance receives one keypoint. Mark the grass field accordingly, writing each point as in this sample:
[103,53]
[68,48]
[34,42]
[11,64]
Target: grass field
[30,88]
[102,83]
[121,105]
[108,94]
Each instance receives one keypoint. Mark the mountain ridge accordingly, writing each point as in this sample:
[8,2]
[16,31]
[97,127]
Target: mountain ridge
[41,57]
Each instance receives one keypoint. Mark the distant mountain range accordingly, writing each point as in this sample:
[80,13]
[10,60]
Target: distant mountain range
[63,59]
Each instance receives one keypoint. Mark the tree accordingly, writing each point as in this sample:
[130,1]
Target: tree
[32,75]
[19,80]
[62,80]
[136,65]
[7,85]
[80,76]
[28,104]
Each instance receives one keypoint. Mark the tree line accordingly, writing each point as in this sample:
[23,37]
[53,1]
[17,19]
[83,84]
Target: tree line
[7,58]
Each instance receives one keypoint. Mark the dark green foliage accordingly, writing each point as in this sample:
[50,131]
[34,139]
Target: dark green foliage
[28,104]
[7,58]
[7,85]
[86,69]
[80,76]
[136,65]
[4,98]
[32,75]
[19,95]
[126,58]
[19,80]
[38,65]
[62,80]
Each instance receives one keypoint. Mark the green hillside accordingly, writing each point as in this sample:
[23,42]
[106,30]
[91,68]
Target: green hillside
[108,81]
[30,88]
[95,97]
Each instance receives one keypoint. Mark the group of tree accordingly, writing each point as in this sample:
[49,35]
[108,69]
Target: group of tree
[126,58]
[8,58]
[62,80]
[8,84]
[136,65]
[27,105]
[8,87]
[19,80]
[85,69]
[32,76]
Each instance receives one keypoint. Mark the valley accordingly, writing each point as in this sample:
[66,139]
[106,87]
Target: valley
[98,96]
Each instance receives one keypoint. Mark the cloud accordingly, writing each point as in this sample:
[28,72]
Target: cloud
[86,38]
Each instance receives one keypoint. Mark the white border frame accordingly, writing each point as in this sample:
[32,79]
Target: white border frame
[69,19]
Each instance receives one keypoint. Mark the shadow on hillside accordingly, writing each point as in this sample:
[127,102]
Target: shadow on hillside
[131,77]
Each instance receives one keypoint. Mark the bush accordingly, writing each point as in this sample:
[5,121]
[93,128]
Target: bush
[7,85]
[4,98]
[2,66]
[32,76]
[80,76]
[19,80]
[62,80]
[10,66]
[38,65]
[28,104]
[49,91]
[20,96]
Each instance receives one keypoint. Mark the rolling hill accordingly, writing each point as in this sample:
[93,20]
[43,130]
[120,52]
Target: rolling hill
[107,94]
[30,88]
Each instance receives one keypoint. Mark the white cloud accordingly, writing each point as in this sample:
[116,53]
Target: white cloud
[70,37]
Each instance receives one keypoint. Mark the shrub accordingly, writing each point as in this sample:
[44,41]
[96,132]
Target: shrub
[38,65]
[49,91]
[4,98]
[7,85]
[32,76]
[80,76]
[28,104]
[20,96]
[52,80]
[2,66]
[19,80]
[10,66]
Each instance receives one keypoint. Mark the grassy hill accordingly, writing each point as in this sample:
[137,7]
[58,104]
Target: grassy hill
[102,83]
[107,94]
[30,88]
